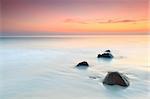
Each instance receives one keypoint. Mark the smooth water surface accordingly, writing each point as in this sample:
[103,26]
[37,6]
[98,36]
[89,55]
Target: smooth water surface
[44,67]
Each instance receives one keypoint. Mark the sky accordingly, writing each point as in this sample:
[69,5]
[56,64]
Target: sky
[50,17]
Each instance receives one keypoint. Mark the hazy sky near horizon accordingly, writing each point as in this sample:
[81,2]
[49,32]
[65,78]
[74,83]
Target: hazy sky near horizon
[31,17]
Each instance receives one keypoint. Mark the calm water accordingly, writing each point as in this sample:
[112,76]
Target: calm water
[43,67]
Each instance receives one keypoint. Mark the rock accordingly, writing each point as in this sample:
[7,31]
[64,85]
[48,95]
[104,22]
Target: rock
[105,55]
[116,78]
[107,51]
[94,77]
[84,63]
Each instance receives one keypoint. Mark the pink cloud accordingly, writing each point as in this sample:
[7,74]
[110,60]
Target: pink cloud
[75,21]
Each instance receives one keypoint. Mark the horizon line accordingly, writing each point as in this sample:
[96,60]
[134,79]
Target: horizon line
[76,33]
[68,35]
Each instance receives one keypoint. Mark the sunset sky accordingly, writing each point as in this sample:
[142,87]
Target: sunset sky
[44,17]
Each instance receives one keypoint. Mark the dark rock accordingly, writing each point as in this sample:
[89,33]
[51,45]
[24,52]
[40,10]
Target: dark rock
[107,51]
[105,55]
[94,77]
[84,63]
[116,78]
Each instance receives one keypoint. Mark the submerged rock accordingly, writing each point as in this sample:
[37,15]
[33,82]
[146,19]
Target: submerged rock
[94,77]
[105,55]
[116,78]
[84,63]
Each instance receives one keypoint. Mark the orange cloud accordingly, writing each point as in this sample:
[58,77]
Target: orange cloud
[69,20]
[108,26]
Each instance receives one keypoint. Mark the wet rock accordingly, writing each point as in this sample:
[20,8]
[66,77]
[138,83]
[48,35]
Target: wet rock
[116,78]
[94,77]
[107,51]
[82,64]
[105,55]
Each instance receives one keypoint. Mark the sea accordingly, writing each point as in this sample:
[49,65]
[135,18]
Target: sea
[44,67]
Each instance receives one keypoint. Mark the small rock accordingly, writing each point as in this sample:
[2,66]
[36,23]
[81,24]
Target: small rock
[116,78]
[105,55]
[107,51]
[92,77]
[84,63]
